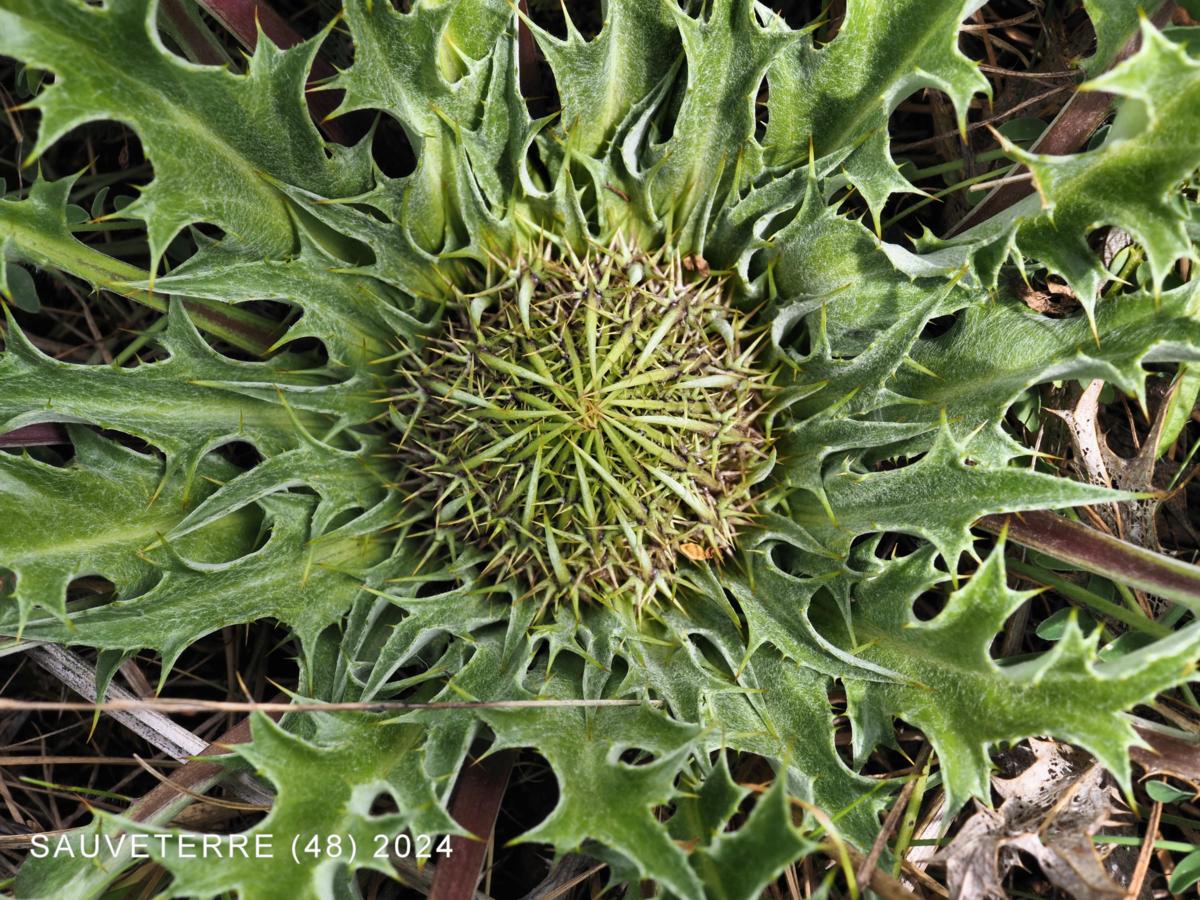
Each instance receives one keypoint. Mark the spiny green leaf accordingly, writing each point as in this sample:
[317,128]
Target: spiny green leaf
[1115,22]
[656,156]
[704,814]
[345,481]
[601,81]
[457,611]
[602,798]
[937,497]
[35,231]
[797,732]
[960,376]
[949,675]
[740,865]
[1151,147]
[353,316]
[185,405]
[841,95]
[826,271]
[765,705]
[306,587]
[728,54]
[428,69]
[1128,182]
[327,782]
[96,516]
[199,126]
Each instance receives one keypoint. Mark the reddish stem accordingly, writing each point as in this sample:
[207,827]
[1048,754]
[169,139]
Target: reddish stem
[34,436]
[190,33]
[1074,124]
[527,55]
[475,805]
[243,18]
[1100,553]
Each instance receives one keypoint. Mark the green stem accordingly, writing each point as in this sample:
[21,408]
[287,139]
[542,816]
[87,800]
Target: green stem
[1181,820]
[1076,592]
[243,329]
[908,824]
[953,166]
[957,186]
[1129,840]
[139,342]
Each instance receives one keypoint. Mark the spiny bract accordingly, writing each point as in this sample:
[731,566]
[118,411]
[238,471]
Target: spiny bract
[588,421]
[409,509]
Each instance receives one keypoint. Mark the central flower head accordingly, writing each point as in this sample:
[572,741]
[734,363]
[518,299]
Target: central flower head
[587,421]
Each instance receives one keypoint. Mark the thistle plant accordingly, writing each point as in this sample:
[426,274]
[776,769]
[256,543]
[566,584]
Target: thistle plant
[589,421]
[617,404]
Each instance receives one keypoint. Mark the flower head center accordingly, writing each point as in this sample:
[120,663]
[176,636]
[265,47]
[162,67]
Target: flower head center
[587,423]
[590,412]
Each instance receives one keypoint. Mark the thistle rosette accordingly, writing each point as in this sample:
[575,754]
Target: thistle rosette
[640,348]
[590,421]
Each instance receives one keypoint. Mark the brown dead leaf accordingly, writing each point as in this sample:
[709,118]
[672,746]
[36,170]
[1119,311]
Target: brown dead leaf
[1138,473]
[1115,240]
[1097,463]
[1085,435]
[697,264]
[695,552]
[1169,756]
[1050,811]
[1057,301]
